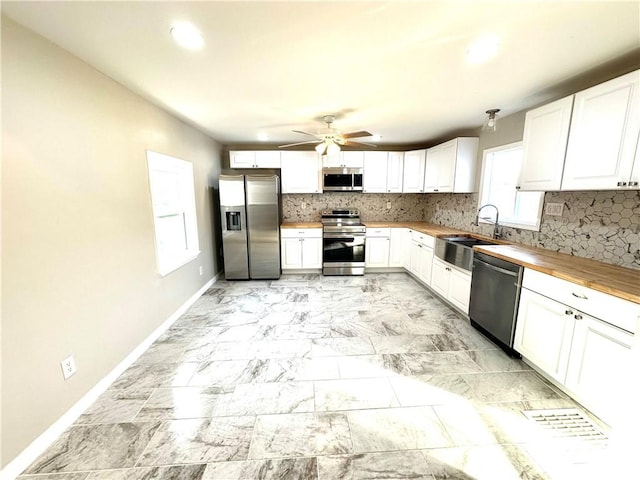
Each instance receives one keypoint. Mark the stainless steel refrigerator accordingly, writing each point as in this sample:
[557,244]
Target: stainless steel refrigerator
[250,211]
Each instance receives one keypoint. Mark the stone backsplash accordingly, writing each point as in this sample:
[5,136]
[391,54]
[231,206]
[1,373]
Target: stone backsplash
[372,206]
[604,226]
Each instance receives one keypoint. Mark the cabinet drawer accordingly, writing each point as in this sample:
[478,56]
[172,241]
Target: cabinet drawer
[378,232]
[423,238]
[301,232]
[616,311]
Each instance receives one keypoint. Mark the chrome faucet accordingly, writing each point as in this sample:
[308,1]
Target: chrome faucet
[496,227]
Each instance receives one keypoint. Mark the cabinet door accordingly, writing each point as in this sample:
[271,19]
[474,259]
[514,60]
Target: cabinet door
[440,277]
[311,253]
[459,289]
[240,159]
[603,135]
[353,159]
[414,257]
[377,252]
[425,264]
[267,159]
[399,242]
[446,162]
[291,253]
[599,366]
[413,175]
[546,130]
[395,168]
[544,331]
[301,172]
[431,169]
[635,173]
[375,172]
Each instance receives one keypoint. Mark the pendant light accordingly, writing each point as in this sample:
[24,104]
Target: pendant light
[491,123]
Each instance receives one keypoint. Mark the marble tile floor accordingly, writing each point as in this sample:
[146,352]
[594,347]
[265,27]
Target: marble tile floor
[312,377]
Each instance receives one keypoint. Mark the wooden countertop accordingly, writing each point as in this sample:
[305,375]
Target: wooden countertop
[423,227]
[301,225]
[618,281]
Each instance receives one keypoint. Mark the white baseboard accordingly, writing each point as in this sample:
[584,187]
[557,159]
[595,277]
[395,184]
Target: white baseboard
[41,443]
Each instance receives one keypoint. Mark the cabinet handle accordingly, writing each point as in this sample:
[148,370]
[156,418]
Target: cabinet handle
[579,295]
[517,187]
[420,246]
[622,184]
[568,312]
[435,189]
[577,316]
[633,184]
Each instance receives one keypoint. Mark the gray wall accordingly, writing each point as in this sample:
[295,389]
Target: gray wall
[78,256]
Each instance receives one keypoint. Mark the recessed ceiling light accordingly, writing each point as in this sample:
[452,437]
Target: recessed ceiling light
[263,137]
[187,36]
[483,49]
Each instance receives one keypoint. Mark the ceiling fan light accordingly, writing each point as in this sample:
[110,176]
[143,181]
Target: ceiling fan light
[333,148]
[320,148]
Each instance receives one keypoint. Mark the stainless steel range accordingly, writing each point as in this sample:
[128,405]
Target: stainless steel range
[343,243]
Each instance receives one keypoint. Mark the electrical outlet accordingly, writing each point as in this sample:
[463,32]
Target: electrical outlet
[68,367]
[554,209]
[388,205]
[201,270]
[303,205]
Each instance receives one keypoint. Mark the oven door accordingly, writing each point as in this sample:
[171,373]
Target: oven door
[343,254]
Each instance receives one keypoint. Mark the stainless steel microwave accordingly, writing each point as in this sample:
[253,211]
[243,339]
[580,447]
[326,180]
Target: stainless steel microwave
[338,179]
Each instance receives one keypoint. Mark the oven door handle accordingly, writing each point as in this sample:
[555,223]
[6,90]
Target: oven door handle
[348,241]
[344,237]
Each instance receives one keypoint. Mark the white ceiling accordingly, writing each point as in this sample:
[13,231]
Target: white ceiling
[393,68]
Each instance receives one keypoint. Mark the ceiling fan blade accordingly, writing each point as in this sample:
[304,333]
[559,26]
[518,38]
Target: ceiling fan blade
[299,143]
[359,144]
[361,133]
[306,133]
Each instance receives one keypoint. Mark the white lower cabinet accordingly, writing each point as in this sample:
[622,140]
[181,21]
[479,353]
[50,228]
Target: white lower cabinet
[399,241]
[544,333]
[421,256]
[451,283]
[599,365]
[377,252]
[588,356]
[301,249]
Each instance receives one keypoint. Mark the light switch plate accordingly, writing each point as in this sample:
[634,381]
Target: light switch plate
[554,209]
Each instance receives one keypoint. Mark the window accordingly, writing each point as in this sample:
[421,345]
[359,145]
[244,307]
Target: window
[174,211]
[500,171]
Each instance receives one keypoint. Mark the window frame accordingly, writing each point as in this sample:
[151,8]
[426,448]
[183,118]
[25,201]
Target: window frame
[481,194]
[185,205]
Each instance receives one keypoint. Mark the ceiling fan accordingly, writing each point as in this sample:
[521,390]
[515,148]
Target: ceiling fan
[330,139]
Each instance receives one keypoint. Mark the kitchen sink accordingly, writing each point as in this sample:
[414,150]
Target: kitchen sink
[469,241]
[458,251]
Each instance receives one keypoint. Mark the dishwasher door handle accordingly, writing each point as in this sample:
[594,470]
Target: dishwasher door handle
[498,269]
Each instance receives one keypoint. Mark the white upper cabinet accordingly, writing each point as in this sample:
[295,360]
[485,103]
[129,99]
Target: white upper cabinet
[413,175]
[546,130]
[451,166]
[375,172]
[603,136]
[301,172]
[254,159]
[383,172]
[395,169]
[351,159]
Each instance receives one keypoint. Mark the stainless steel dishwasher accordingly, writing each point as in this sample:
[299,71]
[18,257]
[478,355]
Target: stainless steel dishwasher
[495,294]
